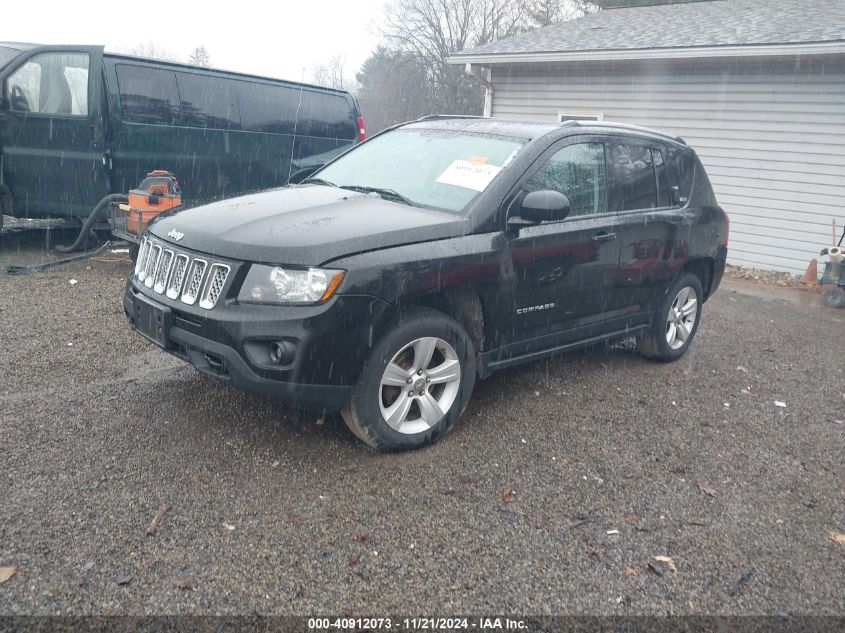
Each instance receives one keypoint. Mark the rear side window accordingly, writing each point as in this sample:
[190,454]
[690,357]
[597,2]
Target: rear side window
[325,115]
[147,95]
[634,182]
[578,172]
[208,101]
[663,193]
[267,108]
[681,172]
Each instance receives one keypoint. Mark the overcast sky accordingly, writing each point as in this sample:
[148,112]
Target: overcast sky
[276,40]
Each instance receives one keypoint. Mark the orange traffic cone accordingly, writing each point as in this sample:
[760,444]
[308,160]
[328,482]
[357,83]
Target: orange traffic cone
[811,276]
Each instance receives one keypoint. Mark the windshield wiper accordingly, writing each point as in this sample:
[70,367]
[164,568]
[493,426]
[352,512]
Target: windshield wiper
[317,181]
[388,194]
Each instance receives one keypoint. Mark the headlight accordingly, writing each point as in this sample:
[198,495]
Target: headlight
[274,284]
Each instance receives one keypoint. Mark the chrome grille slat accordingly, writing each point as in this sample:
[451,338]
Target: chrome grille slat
[152,265]
[142,255]
[163,271]
[194,281]
[174,286]
[214,286]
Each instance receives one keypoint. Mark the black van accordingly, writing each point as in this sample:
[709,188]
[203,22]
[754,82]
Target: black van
[77,124]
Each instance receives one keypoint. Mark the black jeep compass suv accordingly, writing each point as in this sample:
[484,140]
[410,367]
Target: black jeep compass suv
[432,254]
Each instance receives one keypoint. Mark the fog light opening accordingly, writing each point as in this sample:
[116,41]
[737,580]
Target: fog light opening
[281,353]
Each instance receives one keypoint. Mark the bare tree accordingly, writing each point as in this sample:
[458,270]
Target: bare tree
[430,31]
[149,49]
[394,87]
[545,12]
[420,35]
[498,19]
[331,74]
[199,57]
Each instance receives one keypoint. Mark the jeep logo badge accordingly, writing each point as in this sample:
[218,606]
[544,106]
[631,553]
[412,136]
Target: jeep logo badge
[176,235]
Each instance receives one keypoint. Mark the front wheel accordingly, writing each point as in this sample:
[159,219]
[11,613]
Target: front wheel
[675,321]
[415,384]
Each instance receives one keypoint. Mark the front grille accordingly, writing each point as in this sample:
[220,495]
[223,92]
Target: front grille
[214,286]
[179,276]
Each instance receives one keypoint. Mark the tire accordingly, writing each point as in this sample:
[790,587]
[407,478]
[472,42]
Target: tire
[834,297]
[424,417]
[675,321]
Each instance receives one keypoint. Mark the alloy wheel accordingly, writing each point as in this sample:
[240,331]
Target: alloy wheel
[419,385]
[682,315]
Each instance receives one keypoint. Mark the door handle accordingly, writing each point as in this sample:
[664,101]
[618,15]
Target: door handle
[94,135]
[604,237]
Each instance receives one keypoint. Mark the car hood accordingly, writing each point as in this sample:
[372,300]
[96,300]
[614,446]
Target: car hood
[303,225]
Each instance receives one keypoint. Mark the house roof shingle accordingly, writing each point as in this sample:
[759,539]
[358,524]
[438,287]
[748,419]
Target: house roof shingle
[711,23]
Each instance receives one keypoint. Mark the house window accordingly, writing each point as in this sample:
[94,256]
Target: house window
[563,116]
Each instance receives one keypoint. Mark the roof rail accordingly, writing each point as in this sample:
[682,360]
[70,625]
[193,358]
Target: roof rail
[625,126]
[435,117]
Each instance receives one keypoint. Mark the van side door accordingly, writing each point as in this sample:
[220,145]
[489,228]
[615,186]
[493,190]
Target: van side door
[53,140]
[562,271]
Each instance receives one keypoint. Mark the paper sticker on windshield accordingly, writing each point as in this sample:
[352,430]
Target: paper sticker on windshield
[463,173]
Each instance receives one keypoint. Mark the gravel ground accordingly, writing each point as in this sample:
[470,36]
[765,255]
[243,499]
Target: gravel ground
[551,496]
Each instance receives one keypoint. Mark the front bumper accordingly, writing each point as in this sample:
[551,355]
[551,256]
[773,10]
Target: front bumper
[328,344]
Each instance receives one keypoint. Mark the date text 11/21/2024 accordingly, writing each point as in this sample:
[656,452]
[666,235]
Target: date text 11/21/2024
[418,624]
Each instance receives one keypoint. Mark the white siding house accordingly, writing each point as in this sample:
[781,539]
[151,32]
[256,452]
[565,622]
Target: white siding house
[767,119]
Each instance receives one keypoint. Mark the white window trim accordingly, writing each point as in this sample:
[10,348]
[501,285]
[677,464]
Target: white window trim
[588,116]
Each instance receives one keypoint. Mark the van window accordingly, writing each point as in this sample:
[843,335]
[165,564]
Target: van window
[634,182]
[578,172]
[147,95]
[51,83]
[208,101]
[325,115]
[266,108]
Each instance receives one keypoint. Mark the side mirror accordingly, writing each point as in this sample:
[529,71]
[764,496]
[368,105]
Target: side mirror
[540,206]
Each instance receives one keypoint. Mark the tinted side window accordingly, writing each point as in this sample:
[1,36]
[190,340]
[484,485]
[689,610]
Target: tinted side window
[208,102]
[578,172]
[681,171]
[267,108]
[325,115]
[663,193]
[147,95]
[634,183]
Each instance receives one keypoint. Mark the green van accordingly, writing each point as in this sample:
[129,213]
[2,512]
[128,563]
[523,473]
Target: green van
[77,124]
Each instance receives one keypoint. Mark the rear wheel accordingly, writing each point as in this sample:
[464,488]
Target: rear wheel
[415,384]
[675,321]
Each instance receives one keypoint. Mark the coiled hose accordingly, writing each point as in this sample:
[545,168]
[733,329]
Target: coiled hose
[82,238]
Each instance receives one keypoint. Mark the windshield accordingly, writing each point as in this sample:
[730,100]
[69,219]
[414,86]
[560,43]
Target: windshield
[443,169]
